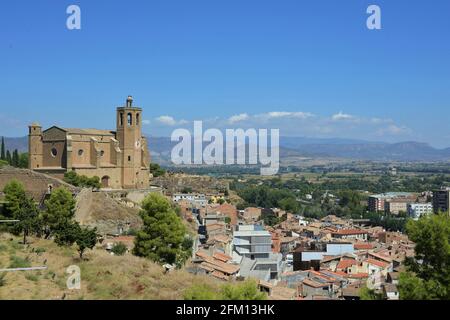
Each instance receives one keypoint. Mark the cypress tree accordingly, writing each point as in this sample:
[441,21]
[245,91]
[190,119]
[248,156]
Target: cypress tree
[3,155]
[8,157]
[15,158]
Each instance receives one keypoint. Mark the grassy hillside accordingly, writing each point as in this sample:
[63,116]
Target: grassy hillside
[102,276]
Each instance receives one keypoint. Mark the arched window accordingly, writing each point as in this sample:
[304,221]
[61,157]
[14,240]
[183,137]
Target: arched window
[129,119]
[121,119]
[137,119]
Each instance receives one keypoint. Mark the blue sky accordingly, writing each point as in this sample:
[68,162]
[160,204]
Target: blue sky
[310,68]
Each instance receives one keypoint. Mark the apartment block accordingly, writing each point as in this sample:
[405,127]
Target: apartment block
[441,200]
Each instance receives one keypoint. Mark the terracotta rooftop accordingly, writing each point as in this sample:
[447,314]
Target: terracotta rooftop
[363,246]
[346,263]
[215,264]
[314,284]
[349,232]
[222,257]
[378,263]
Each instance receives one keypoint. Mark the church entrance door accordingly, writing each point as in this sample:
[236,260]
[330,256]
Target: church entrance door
[105,182]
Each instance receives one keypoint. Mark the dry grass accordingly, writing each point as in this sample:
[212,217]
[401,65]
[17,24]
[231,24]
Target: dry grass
[102,276]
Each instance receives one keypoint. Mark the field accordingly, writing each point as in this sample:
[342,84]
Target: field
[103,276]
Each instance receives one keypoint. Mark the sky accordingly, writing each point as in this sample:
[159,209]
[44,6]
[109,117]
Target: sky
[310,68]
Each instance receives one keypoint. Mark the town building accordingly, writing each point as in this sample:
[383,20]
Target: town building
[441,200]
[396,207]
[120,158]
[377,202]
[417,210]
[307,258]
[252,249]
[252,241]
[197,200]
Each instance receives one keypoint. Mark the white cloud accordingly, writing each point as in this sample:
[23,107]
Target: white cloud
[146,122]
[343,117]
[285,114]
[166,120]
[238,118]
[337,125]
[170,121]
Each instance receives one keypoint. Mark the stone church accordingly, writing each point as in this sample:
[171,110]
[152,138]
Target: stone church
[119,158]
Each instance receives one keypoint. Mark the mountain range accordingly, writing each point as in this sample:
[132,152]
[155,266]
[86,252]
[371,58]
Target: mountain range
[160,148]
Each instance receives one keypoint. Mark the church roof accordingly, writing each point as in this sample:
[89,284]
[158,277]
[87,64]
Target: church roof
[89,131]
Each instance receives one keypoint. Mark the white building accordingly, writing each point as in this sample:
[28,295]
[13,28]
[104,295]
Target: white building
[417,210]
[252,241]
[197,199]
[252,249]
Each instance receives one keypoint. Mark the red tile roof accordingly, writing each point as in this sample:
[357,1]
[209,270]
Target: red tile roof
[363,246]
[346,263]
[378,263]
[222,257]
[350,232]
[314,284]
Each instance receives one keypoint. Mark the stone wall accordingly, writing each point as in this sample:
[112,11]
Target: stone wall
[36,184]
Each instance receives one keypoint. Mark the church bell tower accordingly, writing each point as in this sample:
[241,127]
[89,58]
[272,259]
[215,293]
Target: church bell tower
[129,135]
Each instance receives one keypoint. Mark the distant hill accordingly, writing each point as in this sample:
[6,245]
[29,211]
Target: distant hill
[160,148]
[403,151]
[21,144]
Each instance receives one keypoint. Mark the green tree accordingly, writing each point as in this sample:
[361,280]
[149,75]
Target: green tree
[71,177]
[15,197]
[71,232]
[289,204]
[3,154]
[8,157]
[23,160]
[28,216]
[76,180]
[86,238]
[368,294]
[163,234]
[60,209]
[119,249]
[15,158]
[66,233]
[428,275]
[413,288]
[156,170]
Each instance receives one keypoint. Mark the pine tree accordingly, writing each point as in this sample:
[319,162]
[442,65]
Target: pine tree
[15,158]
[3,155]
[163,237]
[8,157]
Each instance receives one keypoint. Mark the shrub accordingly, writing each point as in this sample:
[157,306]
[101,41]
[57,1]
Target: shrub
[119,249]
[18,262]
[31,277]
